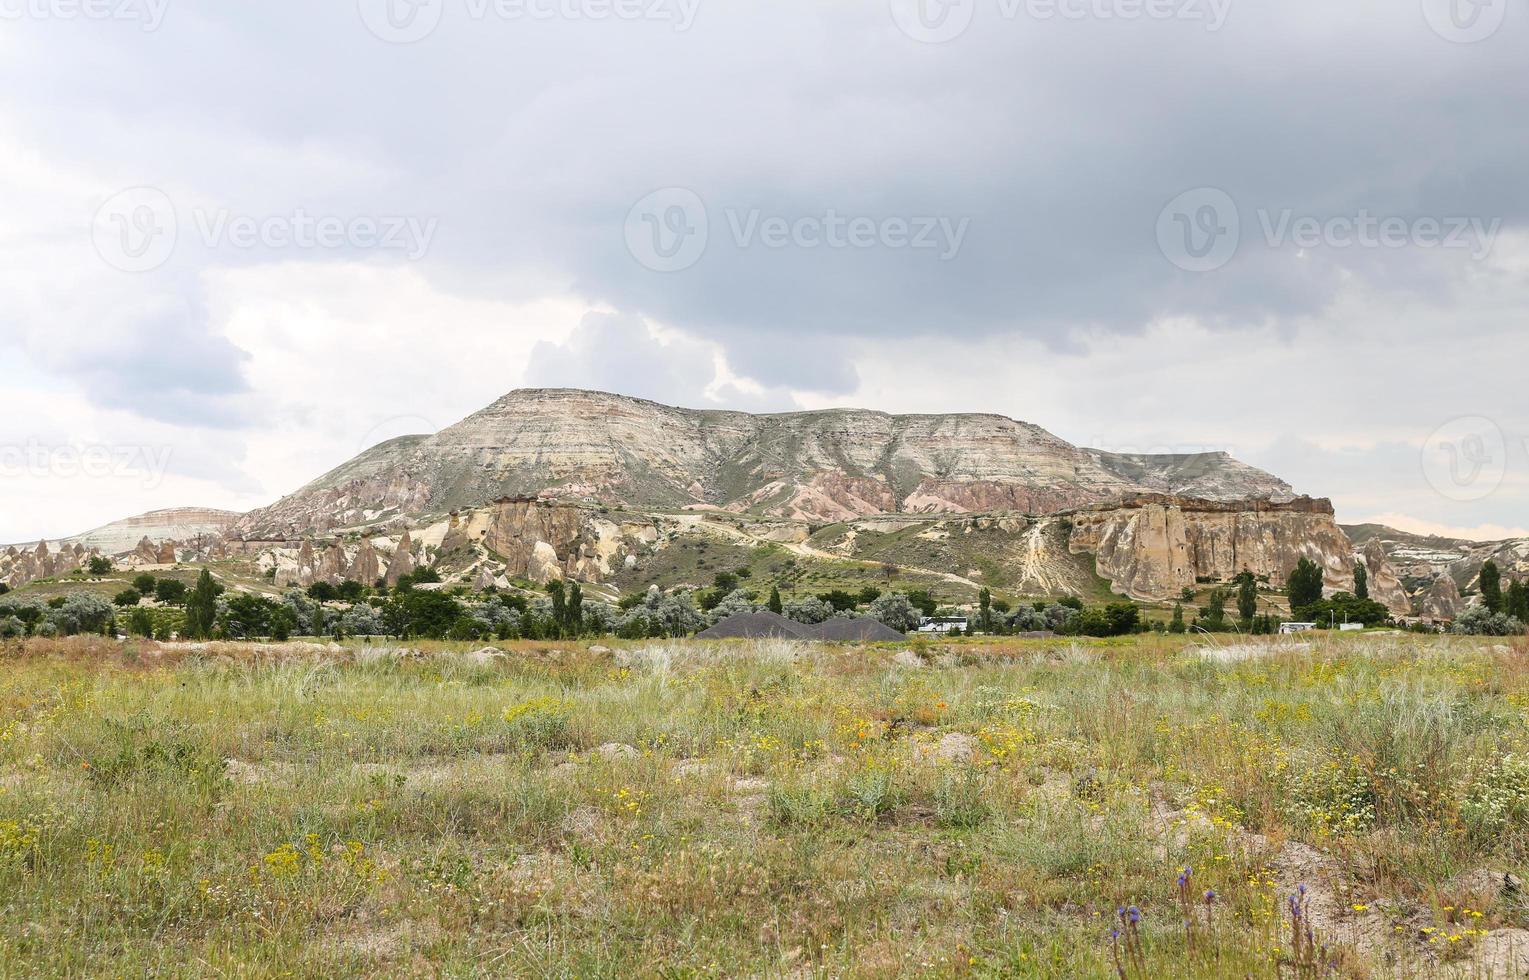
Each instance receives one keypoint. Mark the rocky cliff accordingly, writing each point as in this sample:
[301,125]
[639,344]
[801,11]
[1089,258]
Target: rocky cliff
[1152,546]
[815,466]
[18,566]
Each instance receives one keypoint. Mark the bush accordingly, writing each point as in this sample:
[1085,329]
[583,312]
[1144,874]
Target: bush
[1481,621]
[144,584]
[127,597]
[169,591]
[99,565]
[894,611]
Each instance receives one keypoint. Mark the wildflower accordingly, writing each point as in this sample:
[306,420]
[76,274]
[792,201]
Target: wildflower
[1360,908]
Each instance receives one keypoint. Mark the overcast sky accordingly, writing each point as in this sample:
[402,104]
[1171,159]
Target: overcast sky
[242,242]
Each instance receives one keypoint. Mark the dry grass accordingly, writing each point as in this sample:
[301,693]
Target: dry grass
[763,809]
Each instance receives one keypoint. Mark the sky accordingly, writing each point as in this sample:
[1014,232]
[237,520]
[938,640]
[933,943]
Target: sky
[243,242]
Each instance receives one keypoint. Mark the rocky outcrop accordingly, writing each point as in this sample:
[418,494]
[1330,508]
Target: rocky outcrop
[402,562]
[19,566]
[1384,584]
[817,466]
[540,540]
[1442,602]
[1152,546]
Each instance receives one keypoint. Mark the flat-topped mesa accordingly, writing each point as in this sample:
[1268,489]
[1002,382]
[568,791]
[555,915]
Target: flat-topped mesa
[815,466]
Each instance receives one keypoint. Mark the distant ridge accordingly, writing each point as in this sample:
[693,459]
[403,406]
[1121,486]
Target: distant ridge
[819,466]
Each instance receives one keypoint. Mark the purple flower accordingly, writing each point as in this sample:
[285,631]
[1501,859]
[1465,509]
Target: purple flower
[1135,914]
[1210,895]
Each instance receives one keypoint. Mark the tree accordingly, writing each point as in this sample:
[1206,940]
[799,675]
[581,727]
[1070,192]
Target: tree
[808,609]
[555,589]
[4,588]
[1517,601]
[1176,624]
[127,597]
[1361,581]
[141,623]
[893,610]
[1213,613]
[985,609]
[923,601]
[80,612]
[169,591]
[1304,584]
[202,607]
[1491,587]
[775,606]
[1480,621]
[144,584]
[1247,596]
[841,601]
[322,591]
[99,565]
[574,611]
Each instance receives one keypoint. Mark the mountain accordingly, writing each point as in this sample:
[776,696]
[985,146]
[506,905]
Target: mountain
[814,466]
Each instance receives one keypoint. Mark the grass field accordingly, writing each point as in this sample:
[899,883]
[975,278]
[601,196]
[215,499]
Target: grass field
[685,809]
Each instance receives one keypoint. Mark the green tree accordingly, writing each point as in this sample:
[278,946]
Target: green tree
[171,592]
[1213,613]
[1361,581]
[144,584]
[100,566]
[556,590]
[1247,596]
[1176,624]
[775,605]
[985,610]
[141,623]
[1518,600]
[1304,584]
[1491,587]
[574,613]
[202,607]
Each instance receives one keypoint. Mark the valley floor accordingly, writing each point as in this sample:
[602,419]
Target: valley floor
[962,808]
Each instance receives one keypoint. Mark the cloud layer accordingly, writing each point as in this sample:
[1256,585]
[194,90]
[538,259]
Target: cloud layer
[343,235]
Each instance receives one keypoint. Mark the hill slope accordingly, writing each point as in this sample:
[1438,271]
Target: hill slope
[817,466]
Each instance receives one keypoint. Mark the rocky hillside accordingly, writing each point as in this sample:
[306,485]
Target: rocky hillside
[815,466]
[1440,574]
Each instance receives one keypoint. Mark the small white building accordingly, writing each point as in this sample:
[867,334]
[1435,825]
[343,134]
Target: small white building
[1297,627]
[942,624]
